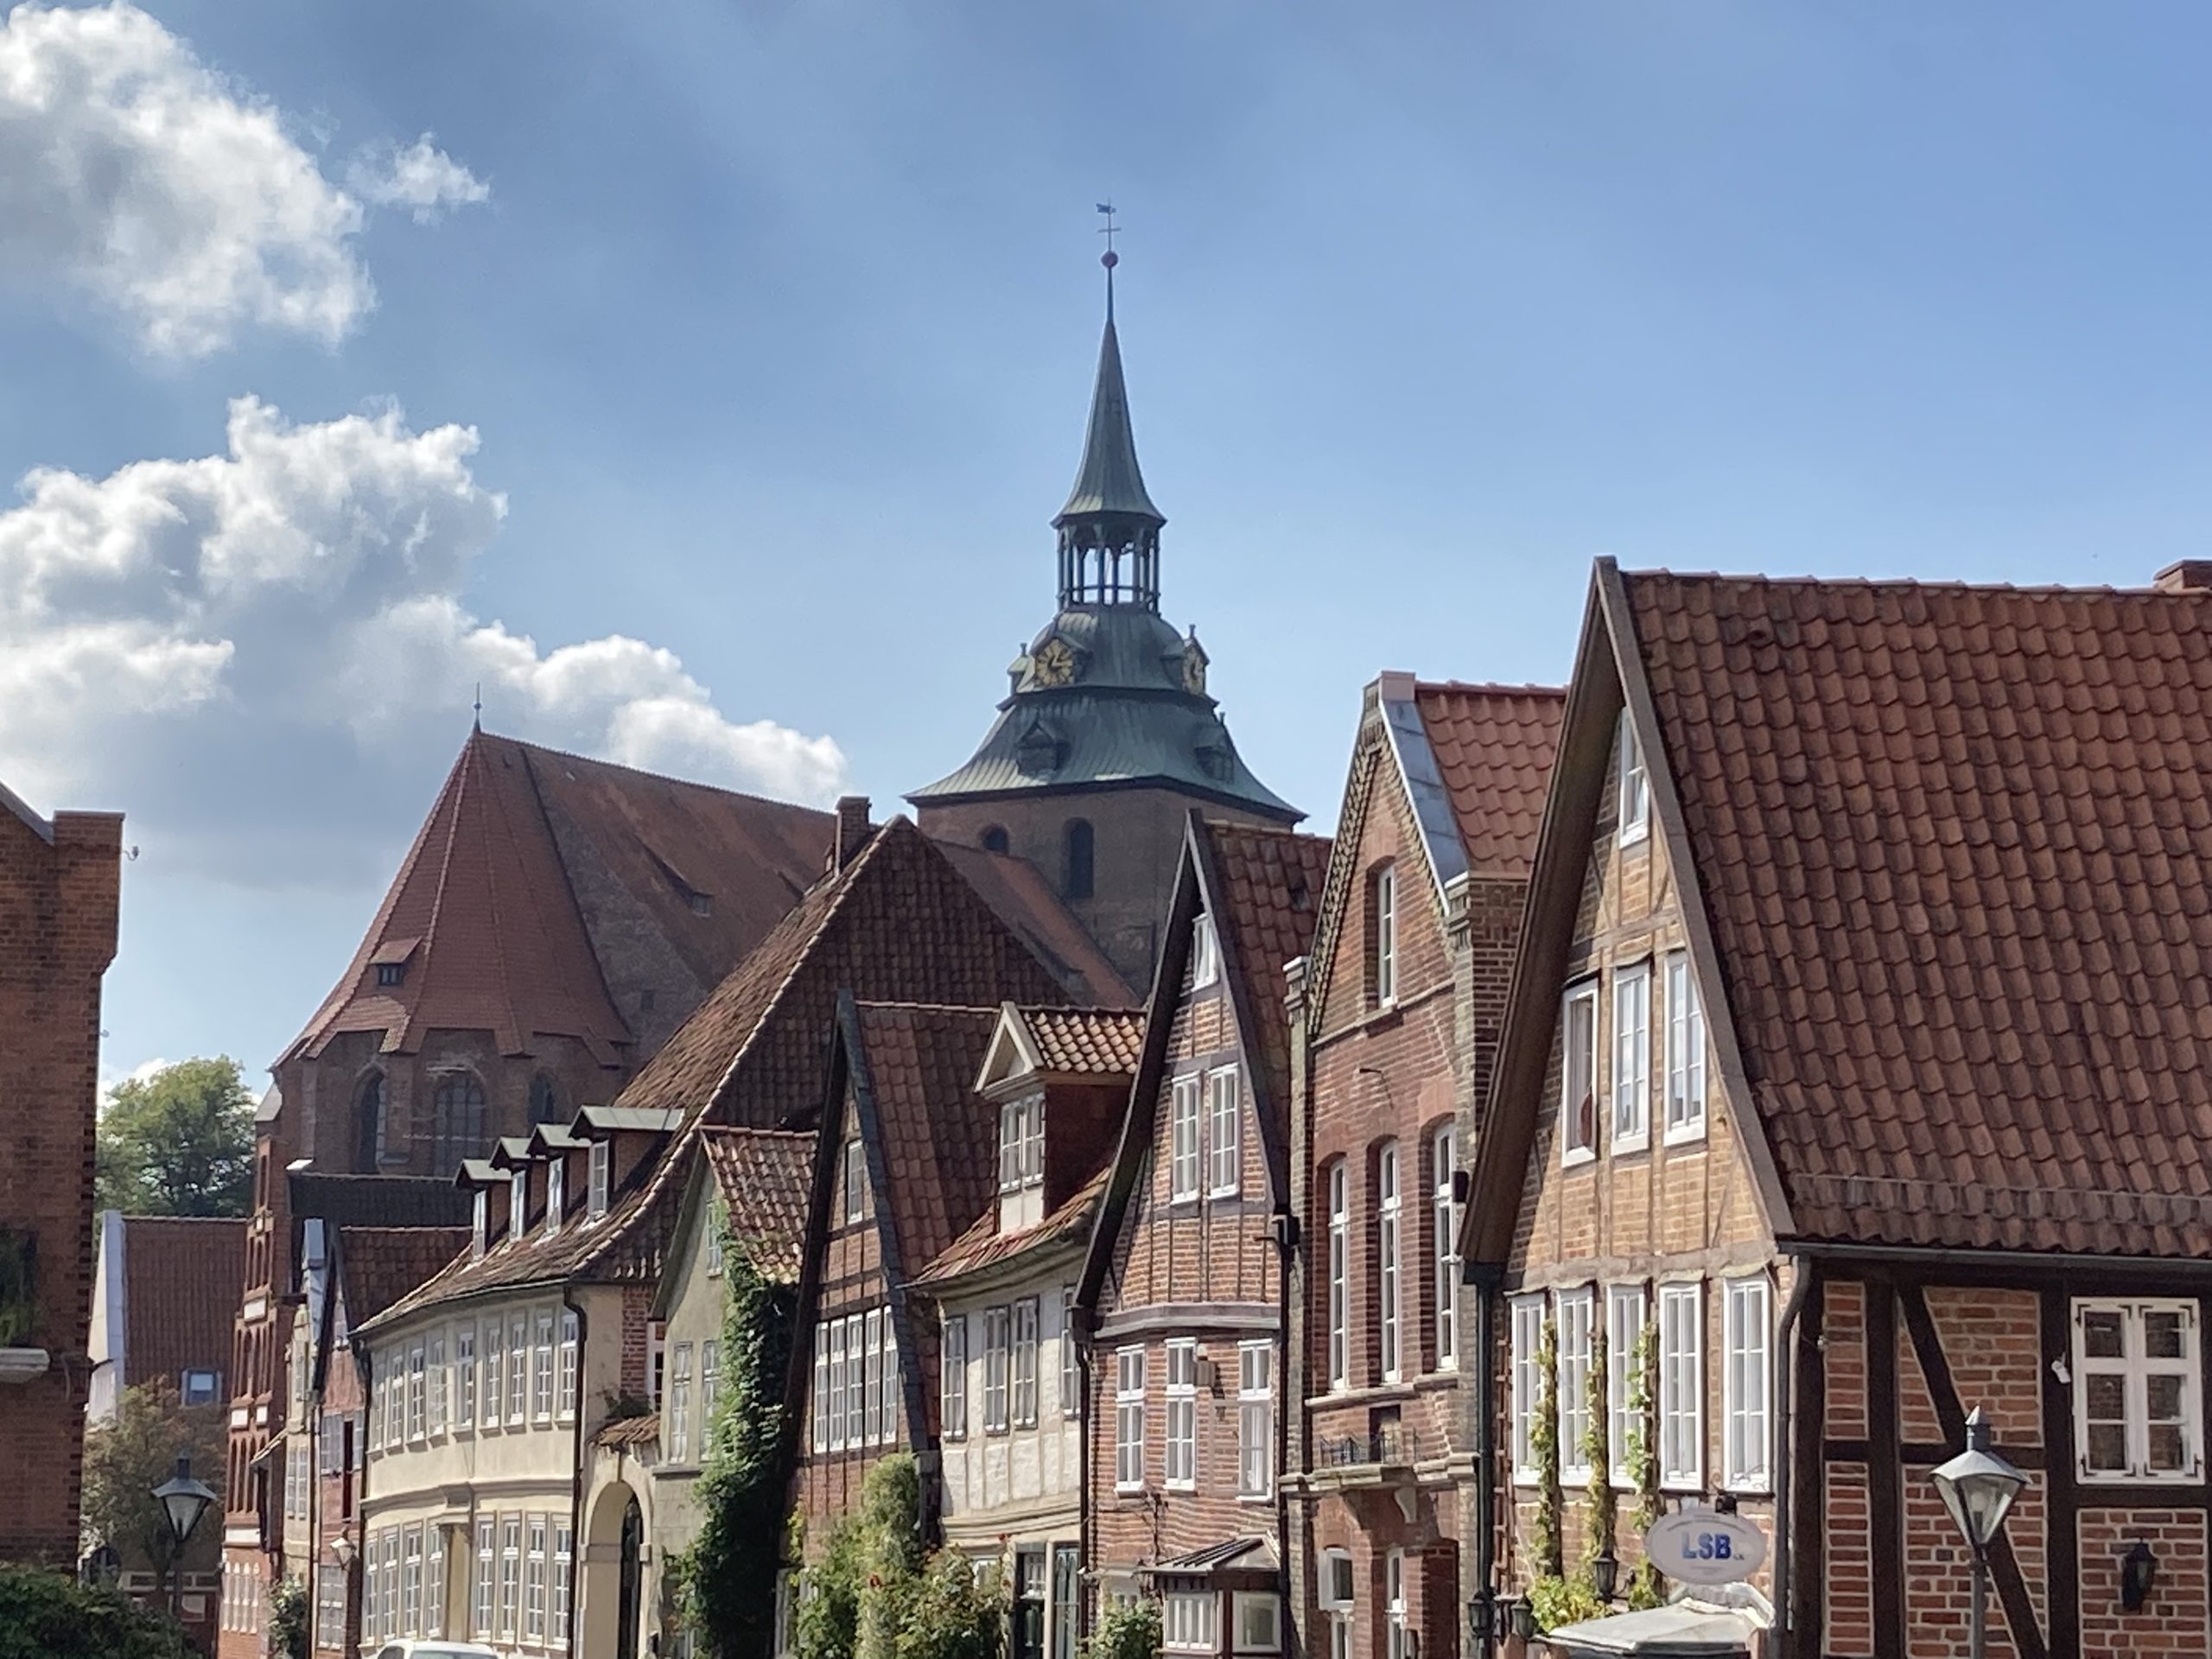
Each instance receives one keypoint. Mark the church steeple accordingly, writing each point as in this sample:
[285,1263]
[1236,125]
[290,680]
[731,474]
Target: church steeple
[1109,529]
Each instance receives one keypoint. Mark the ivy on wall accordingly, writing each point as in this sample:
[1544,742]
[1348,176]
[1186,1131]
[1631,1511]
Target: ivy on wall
[875,1594]
[1646,1586]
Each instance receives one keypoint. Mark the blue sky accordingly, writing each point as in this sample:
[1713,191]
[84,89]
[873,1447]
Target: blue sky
[775,325]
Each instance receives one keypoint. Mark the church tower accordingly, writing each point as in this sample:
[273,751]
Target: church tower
[1108,737]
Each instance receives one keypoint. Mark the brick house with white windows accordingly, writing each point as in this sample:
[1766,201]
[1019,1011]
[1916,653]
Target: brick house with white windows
[1184,1287]
[1856,1050]
[1396,1017]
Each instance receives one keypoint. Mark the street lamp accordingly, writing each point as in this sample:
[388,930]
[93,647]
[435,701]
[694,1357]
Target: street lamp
[1977,1487]
[183,1500]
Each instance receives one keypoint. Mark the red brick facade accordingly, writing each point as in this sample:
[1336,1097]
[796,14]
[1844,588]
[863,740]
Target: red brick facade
[59,885]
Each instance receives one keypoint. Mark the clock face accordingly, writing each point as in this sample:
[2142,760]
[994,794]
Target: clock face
[1053,662]
[1194,671]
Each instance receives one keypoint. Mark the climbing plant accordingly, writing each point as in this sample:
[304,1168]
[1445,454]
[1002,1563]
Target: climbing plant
[1127,1629]
[1646,1587]
[875,1594]
[287,1618]
[1601,1507]
[1543,1446]
[726,1580]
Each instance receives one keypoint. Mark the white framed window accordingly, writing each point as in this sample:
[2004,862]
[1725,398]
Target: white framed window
[1337,1601]
[495,1372]
[952,1377]
[517,1370]
[418,1392]
[998,1326]
[602,1179]
[679,1403]
[541,1371]
[856,1180]
[1632,1057]
[564,1549]
[834,1436]
[1746,1322]
[533,1600]
[1444,1225]
[1183,1139]
[1128,1420]
[434,1368]
[434,1578]
[717,1241]
[1256,1418]
[484,1584]
[1339,1274]
[1070,1404]
[480,1223]
[1021,1144]
[1225,1148]
[1684,1052]
[1578,1095]
[822,1415]
[871,1374]
[1259,1622]
[567,1364]
[1576,1310]
[200,1388]
[710,1356]
[1182,1472]
[1388,1234]
[1528,1383]
[1635,786]
[1383,917]
[1188,1620]
[1206,953]
[1397,1630]
[510,1574]
[464,1368]
[2135,1382]
[1024,1363]
[518,1206]
[1623,1329]
[859,1351]
[1682,1385]
[556,1180]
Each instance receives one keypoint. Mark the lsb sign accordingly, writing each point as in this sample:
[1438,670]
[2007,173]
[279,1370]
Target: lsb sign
[1706,1547]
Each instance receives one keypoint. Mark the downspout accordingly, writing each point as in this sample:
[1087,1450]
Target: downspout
[1286,1231]
[576,1476]
[1083,1569]
[1785,1375]
[1485,1278]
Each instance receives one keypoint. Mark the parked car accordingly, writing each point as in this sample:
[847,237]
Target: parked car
[435,1649]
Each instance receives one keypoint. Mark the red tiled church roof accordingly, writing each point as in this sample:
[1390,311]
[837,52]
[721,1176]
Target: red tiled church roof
[1956,846]
[1494,746]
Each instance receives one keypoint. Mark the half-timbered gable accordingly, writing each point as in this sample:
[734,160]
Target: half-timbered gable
[1185,1285]
[1936,860]
[1396,1019]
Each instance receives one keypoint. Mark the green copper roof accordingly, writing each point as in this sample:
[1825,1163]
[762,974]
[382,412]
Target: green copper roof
[1109,479]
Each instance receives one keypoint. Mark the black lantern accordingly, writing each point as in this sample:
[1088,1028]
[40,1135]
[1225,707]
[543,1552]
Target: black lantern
[1977,1487]
[2138,1571]
[1524,1618]
[183,1500]
[1605,1573]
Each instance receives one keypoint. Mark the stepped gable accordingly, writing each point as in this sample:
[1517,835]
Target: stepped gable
[484,917]
[764,1175]
[1494,746]
[1956,849]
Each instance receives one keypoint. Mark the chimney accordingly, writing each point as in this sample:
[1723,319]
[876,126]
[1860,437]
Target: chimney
[2185,576]
[853,829]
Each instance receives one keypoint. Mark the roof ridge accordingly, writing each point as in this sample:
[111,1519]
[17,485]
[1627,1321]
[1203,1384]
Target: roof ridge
[1491,688]
[1918,584]
[551,752]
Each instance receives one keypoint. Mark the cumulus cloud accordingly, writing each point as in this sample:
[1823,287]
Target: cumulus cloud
[134,174]
[242,649]
[421,178]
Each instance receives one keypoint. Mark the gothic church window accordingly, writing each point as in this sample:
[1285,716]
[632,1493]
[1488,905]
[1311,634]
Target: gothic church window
[1077,873]
[370,1125]
[545,1105]
[457,1121]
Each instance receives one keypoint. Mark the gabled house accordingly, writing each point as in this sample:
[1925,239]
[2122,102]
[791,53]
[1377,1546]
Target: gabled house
[1395,1020]
[1185,1282]
[1855,1061]
[1055,1083]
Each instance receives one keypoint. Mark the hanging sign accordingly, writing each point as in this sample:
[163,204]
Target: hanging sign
[1706,1547]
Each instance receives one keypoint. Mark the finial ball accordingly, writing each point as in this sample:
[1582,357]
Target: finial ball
[1109,258]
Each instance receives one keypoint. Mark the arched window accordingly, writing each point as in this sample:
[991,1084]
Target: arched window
[995,838]
[457,1125]
[1077,864]
[368,1125]
[544,1105]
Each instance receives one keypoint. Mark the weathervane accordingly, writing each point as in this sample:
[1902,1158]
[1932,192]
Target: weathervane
[1109,258]
[480,705]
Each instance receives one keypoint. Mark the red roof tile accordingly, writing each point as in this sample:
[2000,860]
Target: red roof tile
[764,1175]
[1955,845]
[1270,884]
[629,1431]
[1494,746]
[984,1246]
[377,1266]
[938,1136]
[180,1279]
[1079,1041]
[1026,902]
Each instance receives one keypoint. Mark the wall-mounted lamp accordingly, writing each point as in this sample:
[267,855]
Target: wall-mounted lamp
[1605,1573]
[2138,1571]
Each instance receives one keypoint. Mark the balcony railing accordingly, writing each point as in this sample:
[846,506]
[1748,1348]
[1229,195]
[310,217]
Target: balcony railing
[1387,1443]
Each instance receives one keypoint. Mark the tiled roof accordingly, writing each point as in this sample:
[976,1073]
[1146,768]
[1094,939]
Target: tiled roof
[629,1431]
[1494,746]
[984,1246]
[379,1265]
[1026,902]
[180,1279]
[375,1200]
[1270,885]
[1086,1039]
[1955,845]
[764,1177]
[939,1139]
[484,910]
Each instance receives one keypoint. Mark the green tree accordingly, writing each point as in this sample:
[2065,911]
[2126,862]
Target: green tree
[179,1142]
[134,1451]
[44,1614]
[875,1594]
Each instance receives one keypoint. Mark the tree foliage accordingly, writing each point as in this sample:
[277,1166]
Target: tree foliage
[134,1451]
[875,1594]
[44,1614]
[1543,1446]
[178,1143]
[288,1619]
[1127,1629]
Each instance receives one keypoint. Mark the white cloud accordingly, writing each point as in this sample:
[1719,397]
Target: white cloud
[282,625]
[421,178]
[133,174]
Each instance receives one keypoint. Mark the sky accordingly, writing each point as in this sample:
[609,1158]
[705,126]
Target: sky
[700,379]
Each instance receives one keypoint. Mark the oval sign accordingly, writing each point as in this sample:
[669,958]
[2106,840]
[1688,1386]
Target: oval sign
[1706,1547]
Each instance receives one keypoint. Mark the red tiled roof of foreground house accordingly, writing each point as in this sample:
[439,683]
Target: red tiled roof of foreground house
[939,1138]
[379,1265]
[764,1177]
[483,918]
[1077,1040]
[984,1246]
[1270,895]
[180,1279]
[1955,845]
[1494,746]
[629,1431]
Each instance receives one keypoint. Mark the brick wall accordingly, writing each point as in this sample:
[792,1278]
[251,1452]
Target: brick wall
[2175,1620]
[58,900]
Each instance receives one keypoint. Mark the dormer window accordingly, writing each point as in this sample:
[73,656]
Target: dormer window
[602,1178]
[1021,1162]
[483,1224]
[703,904]
[554,1182]
[1205,954]
[390,973]
[518,1203]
